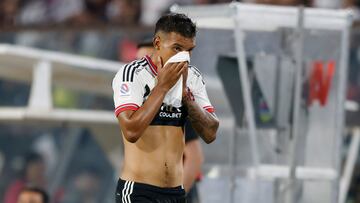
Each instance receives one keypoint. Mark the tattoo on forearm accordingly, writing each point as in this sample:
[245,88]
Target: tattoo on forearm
[197,119]
[201,121]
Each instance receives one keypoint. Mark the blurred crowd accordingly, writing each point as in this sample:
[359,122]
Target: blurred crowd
[120,45]
[313,3]
[80,12]
[124,12]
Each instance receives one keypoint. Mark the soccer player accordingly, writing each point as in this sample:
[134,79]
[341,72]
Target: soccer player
[193,155]
[153,133]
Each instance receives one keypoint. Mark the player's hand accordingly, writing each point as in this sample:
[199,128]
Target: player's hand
[185,75]
[168,75]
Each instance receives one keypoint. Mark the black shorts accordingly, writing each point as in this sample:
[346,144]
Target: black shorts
[130,192]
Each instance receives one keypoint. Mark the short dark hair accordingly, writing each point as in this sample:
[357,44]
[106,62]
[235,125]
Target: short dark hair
[30,188]
[176,22]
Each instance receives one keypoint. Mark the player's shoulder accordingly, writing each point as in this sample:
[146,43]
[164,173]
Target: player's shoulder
[195,71]
[135,64]
[128,71]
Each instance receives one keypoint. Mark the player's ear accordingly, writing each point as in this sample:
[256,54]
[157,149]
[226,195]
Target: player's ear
[156,42]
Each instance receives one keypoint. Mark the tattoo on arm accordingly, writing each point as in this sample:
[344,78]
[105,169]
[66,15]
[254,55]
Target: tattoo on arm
[203,122]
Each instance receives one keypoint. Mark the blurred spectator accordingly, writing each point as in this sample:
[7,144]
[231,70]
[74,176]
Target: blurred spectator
[33,12]
[45,145]
[84,187]
[126,12]
[61,10]
[145,47]
[354,5]
[286,2]
[8,11]
[87,12]
[202,1]
[33,173]
[349,3]
[153,9]
[94,11]
[307,3]
[199,2]
[127,50]
[33,195]
[328,3]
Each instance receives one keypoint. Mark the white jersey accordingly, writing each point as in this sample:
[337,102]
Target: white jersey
[134,82]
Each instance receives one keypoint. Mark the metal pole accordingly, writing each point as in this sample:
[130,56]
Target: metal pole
[340,110]
[40,97]
[246,89]
[245,84]
[296,110]
[349,166]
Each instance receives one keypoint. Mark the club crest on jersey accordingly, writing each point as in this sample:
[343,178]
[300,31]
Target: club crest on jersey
[125,89]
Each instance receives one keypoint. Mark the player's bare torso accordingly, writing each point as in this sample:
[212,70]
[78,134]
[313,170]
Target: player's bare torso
[156,158]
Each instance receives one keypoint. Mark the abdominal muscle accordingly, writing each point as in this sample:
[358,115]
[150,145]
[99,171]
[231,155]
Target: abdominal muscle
[156,158]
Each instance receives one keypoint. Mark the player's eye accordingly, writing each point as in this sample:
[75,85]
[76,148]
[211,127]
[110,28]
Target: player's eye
[177,49]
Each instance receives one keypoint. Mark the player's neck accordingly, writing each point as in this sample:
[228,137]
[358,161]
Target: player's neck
[153,56]
[151,59]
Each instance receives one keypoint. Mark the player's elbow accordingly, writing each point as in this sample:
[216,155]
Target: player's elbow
[212,132]
[211,136]
[131,136]
[216,125]
[131,139]
[210,139]
[130,130]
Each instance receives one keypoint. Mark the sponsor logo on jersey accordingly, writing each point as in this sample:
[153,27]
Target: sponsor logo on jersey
[169,115]
[168,111]
[125,89]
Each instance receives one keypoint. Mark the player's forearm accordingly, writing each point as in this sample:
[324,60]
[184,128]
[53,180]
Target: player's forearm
[203,122]
[141,119]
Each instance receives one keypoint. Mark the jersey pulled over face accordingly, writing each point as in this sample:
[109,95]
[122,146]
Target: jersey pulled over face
[134,82]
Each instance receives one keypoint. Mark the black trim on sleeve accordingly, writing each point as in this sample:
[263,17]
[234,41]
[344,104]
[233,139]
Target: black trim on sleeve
[130,69]
[126,66]
[131,78]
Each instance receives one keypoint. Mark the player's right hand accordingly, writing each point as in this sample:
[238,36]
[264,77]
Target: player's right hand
[168,75]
